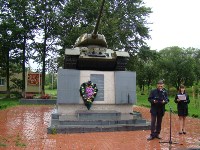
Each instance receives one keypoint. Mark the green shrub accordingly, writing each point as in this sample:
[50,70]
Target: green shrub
[3,106]
[16,94]
[195,115]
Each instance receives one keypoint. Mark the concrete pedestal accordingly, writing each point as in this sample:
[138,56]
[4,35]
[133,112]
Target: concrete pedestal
[112,107]
[116,90]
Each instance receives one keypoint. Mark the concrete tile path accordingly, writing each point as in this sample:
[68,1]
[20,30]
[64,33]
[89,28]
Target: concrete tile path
[25,127]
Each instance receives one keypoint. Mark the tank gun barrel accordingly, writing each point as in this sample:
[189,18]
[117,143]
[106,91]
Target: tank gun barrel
[98,19]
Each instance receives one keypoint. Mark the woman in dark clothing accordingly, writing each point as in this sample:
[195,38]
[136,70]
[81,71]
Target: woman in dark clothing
[182,100]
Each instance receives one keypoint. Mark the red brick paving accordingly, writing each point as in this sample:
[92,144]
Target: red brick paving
[25,127]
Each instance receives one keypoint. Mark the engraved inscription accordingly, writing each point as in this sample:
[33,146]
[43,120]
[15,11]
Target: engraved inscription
[98,79]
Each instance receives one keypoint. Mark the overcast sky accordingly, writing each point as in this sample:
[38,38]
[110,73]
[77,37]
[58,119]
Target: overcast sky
[175,23]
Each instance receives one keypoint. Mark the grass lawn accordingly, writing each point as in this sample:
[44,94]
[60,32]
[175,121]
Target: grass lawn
[8,102]
[52,92]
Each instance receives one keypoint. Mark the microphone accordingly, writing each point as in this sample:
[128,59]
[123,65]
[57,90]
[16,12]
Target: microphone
[162,90]
[163,93]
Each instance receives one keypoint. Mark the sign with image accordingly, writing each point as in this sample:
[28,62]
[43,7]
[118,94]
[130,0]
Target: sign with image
[34,79]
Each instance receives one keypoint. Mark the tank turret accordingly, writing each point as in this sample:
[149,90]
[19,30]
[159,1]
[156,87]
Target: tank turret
[90,52]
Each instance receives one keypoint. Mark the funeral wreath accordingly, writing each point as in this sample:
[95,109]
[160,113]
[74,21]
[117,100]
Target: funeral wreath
[88,92]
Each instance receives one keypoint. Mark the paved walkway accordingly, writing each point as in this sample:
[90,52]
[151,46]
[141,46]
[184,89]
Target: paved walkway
[25,127]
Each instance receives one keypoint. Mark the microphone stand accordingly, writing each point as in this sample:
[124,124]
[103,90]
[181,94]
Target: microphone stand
[170,126]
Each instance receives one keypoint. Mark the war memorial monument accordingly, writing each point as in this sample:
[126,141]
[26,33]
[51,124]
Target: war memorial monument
[95,93]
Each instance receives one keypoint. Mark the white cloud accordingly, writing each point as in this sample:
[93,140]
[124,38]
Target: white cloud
[175,23]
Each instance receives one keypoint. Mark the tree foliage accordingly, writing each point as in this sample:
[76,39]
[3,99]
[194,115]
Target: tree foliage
[42,30]
[144,65]
[124,23]
[177,66]
[46,14]
[9,40]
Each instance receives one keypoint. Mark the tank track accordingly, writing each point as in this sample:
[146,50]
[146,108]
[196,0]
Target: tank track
[121,64]
[70,62]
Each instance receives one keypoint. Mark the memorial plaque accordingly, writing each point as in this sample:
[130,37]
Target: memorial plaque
[98,79]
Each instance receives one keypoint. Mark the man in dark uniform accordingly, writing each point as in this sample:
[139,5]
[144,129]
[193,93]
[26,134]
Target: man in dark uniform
[158,98]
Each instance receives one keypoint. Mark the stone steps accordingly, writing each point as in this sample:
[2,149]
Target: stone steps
[94,128]
[96,121]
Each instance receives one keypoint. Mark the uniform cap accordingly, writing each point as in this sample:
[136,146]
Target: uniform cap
[160,82]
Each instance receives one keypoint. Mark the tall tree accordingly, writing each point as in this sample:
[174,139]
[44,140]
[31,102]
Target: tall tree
[8,36]
[24,16]
[144,65]
[196,55]
[47,13]
[127,21]
[176,66]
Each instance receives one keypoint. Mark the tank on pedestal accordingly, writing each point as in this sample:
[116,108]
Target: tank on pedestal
[90,52]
